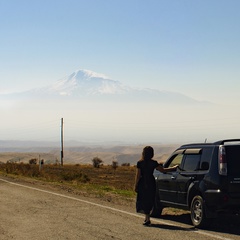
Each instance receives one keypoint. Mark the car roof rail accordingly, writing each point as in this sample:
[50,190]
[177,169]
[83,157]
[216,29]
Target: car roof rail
[196,144]
[221,142]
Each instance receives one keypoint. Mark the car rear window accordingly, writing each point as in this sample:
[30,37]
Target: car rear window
[191,162]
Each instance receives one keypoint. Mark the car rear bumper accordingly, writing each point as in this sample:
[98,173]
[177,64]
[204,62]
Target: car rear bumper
[218,200]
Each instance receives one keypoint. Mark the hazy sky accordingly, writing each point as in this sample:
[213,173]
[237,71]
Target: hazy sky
[178,45]
[185,46]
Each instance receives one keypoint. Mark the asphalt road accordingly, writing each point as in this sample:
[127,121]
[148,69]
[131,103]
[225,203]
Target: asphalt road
[33,212]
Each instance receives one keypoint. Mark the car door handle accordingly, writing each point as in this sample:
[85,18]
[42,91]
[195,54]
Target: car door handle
[173,177]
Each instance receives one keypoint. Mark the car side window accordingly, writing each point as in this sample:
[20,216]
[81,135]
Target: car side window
[191,162]
[177,160]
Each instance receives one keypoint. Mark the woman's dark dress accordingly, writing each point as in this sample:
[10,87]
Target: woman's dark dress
[146,186]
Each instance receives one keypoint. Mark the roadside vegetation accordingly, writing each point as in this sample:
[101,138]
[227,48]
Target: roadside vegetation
[100,180]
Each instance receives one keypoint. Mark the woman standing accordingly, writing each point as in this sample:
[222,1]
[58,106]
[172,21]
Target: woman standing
[145,184]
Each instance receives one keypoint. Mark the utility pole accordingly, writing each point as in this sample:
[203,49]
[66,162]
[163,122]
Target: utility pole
[61,141]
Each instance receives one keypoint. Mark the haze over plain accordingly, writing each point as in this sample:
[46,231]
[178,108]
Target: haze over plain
[177,47]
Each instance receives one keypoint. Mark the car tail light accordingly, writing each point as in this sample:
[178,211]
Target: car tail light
[222,161]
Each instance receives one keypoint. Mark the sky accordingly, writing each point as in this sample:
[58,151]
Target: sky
[190,47]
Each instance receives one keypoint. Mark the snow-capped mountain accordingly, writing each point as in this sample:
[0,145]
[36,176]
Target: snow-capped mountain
[86,82]
[91,85]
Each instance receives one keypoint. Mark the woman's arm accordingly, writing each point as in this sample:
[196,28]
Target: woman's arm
[137,178]
[171,169]
[164,170]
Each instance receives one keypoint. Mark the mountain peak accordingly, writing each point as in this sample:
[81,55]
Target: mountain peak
[84,73]
[86,82]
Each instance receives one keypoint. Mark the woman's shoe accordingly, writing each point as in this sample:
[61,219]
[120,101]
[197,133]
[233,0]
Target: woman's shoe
[147,223]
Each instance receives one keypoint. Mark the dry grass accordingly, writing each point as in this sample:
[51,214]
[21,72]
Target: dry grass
[103,179]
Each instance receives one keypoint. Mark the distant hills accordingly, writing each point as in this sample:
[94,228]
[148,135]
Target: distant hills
[23,151]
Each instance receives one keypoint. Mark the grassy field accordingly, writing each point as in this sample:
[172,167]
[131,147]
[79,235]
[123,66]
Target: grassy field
[104,180]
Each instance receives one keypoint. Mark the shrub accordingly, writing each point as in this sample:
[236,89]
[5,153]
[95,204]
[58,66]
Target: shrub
[97,162]
[114,165]
[33,161]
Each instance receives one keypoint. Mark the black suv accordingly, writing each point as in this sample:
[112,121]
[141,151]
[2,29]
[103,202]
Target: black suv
[206,182]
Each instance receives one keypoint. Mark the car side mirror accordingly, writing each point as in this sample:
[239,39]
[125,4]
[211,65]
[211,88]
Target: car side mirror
[204,166]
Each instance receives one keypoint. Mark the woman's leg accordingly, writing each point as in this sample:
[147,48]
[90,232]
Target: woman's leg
[147,220]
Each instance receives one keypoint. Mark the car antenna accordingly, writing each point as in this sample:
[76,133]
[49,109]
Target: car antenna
[205,140]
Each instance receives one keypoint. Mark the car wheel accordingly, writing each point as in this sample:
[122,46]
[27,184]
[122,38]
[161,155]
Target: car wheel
[157,209]
[197,209]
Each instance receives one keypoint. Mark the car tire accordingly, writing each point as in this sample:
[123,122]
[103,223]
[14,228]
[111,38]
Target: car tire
[157,209]
[197,209]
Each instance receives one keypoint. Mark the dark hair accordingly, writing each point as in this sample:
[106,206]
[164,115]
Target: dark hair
[147,153]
